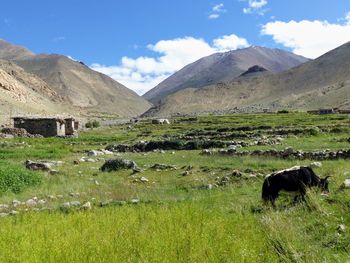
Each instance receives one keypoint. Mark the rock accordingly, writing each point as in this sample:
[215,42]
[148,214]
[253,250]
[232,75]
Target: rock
[107,152]
[36,166]
[16,203]
[13,212]
[95,153]
[341,228]
[346,183]
[3,214]
[59,196]
[144,179]
[106,203]
[3,207]
[232,147]
[118,164]
[74,203]
[185,173]
[206,152]
[159,166]
[31,202]
[210,186]
[41,202]
[86,206]
[90,160]
[96,182]
[316,165]
[160,121]
[135,201]
[66,205]
[53,172]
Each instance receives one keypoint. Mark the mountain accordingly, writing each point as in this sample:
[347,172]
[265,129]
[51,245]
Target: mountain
[222,67]
[78,86]
[324,82]
[22,92]
[83,87]
[9,51]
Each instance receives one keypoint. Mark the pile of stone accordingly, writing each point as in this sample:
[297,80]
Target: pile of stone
[99,153]
[119,164]
[164,145]
[41,165]
[291,153]
[18,132]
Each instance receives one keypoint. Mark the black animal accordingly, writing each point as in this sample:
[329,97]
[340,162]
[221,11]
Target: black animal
[295,179]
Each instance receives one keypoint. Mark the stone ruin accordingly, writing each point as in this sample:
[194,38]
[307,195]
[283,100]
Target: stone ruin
[46,127]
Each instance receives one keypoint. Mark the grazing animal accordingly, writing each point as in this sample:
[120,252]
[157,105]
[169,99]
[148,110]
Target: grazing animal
[295,179]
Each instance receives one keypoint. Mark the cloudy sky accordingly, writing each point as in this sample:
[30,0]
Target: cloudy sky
[140,43]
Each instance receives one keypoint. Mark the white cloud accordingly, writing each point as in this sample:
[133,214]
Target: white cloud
[219,8]
[231,42]
[309,38]
[143,73]
[216,11]
[213,16]
[255,6]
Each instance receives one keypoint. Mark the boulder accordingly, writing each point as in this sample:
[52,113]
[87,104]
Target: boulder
[86,206]
[346,184]
[118,164]
[37,166]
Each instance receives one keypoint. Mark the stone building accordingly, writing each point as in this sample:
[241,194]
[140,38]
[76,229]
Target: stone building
[47,127]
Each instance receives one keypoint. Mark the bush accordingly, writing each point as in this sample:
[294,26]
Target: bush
[15,179]
[92,124]
[283,111]
[95,124]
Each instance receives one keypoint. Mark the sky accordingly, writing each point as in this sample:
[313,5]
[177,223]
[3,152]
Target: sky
[142,42]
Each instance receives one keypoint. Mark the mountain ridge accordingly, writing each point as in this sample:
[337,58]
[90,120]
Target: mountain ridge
[221,67]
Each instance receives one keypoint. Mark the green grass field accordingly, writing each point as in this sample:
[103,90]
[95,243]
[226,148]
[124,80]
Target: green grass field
[177,218]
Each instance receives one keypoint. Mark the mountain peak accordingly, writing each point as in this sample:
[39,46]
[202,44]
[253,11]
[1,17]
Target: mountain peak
[222,67]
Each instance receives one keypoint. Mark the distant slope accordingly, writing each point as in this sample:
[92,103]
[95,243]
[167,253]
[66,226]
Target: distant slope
[324,82]
[221,67]
[76,84]
[21,92]
[84,87]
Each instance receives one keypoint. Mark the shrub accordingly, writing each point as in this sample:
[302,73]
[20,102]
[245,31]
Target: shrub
[95,124]
[92,124]
[88,124]
[15,179]
[283,111]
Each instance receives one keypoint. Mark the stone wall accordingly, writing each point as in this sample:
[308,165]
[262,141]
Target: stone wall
[44,127]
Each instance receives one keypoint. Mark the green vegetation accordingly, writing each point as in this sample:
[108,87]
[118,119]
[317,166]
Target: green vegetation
[15,179]
[176,218]
[92,124]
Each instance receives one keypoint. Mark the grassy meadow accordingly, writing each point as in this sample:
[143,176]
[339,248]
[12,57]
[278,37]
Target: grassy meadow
[176,218]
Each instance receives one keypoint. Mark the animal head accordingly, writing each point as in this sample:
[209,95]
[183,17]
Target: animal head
[323,184]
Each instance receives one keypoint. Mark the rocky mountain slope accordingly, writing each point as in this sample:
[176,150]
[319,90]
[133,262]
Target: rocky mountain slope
[324,82]
[222,67]
[22,92]
[74,84]
[84,88]
[9,51]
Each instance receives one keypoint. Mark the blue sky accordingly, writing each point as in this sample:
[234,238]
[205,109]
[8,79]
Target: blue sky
[139,43]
